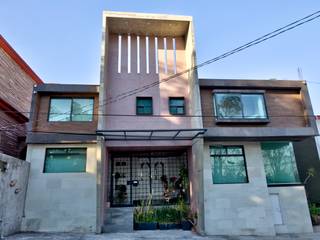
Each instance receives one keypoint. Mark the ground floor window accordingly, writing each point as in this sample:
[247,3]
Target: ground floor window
[136,176]
[228,164]
[64,160]
[279,163]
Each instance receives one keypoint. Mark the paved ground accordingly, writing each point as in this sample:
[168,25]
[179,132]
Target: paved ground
[167,235]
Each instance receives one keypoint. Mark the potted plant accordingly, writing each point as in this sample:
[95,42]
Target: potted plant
[168,218]
[314,212]
[184,211]
[144,217]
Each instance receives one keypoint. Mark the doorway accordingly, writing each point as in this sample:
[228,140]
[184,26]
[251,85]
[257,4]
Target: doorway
[135,176]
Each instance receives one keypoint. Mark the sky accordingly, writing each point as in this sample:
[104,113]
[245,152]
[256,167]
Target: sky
[60,39]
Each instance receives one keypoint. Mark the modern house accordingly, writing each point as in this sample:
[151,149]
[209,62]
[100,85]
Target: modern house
[98,151]
[250,180]
[16,83]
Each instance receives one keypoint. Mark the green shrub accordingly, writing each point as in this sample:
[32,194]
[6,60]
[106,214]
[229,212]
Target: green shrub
[145,212]
[314,210]
[167,215]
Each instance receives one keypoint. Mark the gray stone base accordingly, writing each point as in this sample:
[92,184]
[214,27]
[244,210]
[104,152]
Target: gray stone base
[118,220]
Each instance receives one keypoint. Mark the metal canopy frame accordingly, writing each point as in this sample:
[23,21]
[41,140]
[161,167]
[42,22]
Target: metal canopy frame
[151,134]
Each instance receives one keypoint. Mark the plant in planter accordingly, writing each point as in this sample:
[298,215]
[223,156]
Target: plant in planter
[144,216]
[315,214]
[183,208]
[168,218]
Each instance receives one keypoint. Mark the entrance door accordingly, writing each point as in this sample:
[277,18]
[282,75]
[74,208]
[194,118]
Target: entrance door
[136,176]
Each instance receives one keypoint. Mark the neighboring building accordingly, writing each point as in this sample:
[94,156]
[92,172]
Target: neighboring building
[64,156]
[318,138]
[16,83]
[95,154]
[307,156]
[251,182]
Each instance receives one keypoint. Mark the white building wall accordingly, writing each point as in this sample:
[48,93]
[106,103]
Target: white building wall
[247,209]
[238,209]
[294,210]
[61,202]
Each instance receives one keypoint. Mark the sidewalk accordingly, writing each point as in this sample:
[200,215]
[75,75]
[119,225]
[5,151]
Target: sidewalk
[167,235]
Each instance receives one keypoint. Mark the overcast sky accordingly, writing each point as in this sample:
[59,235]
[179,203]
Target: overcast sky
[60,39]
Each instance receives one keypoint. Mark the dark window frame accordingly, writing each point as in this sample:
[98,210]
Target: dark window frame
[231,155]
[50,148]
[71,110]
[137,106]
[184,105]
[242,119]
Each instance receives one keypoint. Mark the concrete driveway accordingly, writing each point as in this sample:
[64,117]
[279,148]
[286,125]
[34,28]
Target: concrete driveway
[167,235]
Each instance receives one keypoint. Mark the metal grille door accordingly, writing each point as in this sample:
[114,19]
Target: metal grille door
[137,175]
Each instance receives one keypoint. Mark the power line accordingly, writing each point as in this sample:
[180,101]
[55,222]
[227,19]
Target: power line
[263,38]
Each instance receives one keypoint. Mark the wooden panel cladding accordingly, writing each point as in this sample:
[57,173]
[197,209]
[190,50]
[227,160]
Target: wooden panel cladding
[15,84]
[42,124]
[12,137]
[285,109]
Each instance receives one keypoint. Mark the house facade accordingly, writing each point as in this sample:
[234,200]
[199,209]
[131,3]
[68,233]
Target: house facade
[16,83]
[96,152]
[250,173]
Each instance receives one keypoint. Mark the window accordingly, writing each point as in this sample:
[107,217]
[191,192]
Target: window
[64,160]
[228,164]
[176,105]
[71,109]
[144,106]
[239,106]
[279,163]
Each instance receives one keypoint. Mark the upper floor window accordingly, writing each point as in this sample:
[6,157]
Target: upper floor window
[279,163]
[144,106]
[243,106]
[63,160]
[176,106]
[228,164]
[71,109]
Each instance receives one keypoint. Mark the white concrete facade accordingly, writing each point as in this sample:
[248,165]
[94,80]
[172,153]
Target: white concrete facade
[246,209]
[61,202]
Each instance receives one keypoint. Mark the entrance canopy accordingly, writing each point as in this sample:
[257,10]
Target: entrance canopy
[159,134]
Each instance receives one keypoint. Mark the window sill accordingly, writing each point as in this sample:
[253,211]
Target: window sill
[239,121]
[285,185]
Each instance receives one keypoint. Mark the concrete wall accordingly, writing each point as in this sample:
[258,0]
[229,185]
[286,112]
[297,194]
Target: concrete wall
[247,209]
[61,201]
[13,185]
[238,209]
[294,210]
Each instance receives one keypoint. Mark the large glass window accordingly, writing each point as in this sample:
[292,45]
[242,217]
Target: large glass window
[176,105]
[63,160]
[239,106]
[279,163]
[144,106]
[228,164]
[71,109]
